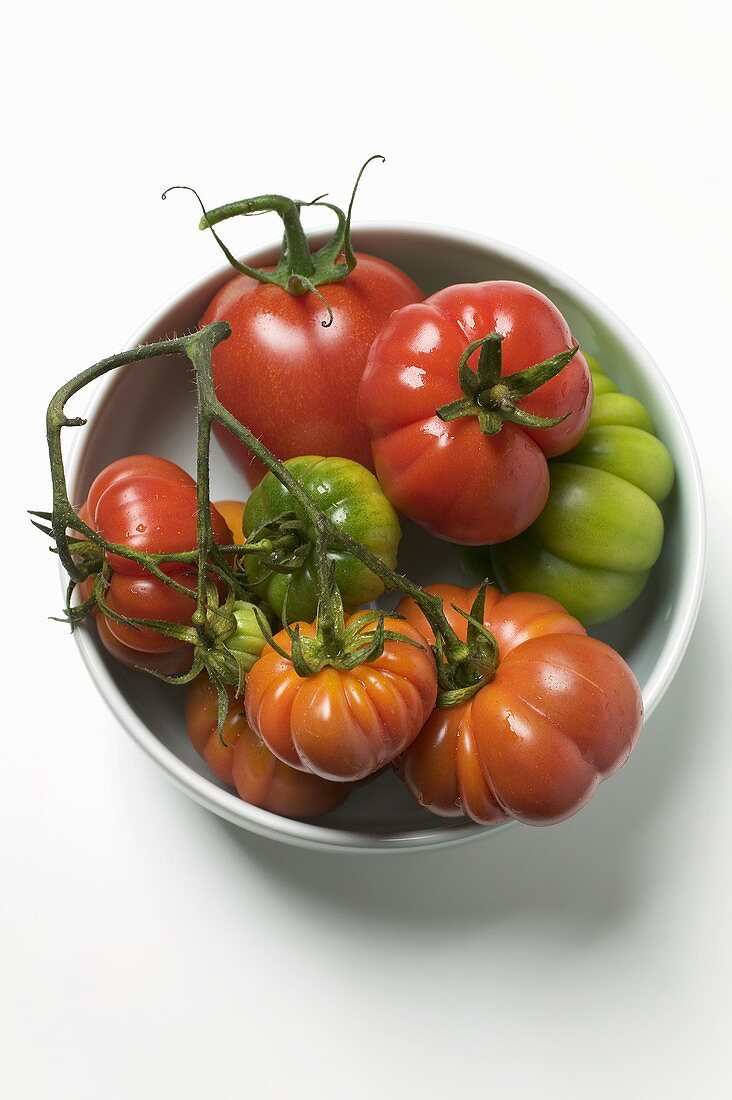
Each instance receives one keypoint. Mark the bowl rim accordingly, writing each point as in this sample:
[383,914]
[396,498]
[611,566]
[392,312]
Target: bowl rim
[307,834]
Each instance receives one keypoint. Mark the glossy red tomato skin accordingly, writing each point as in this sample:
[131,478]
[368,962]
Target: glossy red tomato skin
[149,504]
[292,381]
[146,597]
[153,514]
[459,483]
[343,725]
[133,466]
[462,485]
[172,662]
[563,713]
[242,761]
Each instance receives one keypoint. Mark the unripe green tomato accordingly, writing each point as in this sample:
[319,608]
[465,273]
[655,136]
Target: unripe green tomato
[352,498]
[247,641]
[601,530]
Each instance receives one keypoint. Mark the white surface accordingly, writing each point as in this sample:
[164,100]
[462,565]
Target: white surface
[146,947]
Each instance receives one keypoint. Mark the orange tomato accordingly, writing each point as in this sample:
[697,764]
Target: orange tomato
[562,713]
[245,763]
[233,515]
[340,724]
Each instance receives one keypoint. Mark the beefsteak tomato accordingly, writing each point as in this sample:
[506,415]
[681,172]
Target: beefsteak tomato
[148,504]
[343,724]
[241,760]
[463,451]
[561,714]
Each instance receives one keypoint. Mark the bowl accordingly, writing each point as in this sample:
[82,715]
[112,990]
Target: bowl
[125,418]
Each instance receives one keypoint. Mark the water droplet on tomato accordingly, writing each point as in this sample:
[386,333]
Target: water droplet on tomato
[141,528]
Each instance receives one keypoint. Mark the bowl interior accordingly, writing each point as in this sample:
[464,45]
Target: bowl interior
[150,408]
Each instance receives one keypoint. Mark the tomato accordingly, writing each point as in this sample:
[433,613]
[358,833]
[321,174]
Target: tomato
[289,378]
[244,762]
[171,662]
[483,477]
[562,713]
[232,512]
[147,597]
[343,725]
[351,497]
[148,504]
[601,530]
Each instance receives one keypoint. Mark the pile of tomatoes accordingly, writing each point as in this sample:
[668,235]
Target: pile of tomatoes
[473,413]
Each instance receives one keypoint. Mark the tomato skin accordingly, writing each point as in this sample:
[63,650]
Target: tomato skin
[420,460]
[146,597]
[149,504]
[132,466]
[172,662]
[246,763]
[232,512]
[352,498]
[422,469]
[343,725]
[153,514]
[292,381]
[601,530]
[562,713]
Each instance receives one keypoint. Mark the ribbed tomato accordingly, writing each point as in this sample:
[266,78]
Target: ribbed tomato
[456,441]
[148,504]
[343,724]
[562,713]
[240,759]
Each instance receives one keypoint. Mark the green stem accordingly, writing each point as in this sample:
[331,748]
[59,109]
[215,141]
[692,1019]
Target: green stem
[431,605]
[298,270]
[492,397]
[198,347]
[299,256]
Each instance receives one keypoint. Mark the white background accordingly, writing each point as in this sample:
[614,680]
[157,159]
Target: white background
[148,949]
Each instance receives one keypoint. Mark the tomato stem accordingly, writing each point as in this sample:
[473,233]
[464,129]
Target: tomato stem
[462,666]
[298,270]
[492,396]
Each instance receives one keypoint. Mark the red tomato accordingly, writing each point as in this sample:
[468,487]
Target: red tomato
[343,724]
[562,713]
[451,477]
[292,381]
[148,504]
[130,466]
[244,762]
[172,662]
[147,597]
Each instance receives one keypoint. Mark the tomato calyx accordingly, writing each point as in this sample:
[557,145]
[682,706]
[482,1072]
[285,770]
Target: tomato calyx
[298,270]
[463,670]
[334,644]
[225,644]
[492,397]
[280,545]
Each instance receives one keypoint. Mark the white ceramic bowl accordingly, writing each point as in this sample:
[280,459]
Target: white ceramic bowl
[149,407]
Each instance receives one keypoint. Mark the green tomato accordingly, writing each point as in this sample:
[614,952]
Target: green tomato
[248,640]
[353,500]
[601,530]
